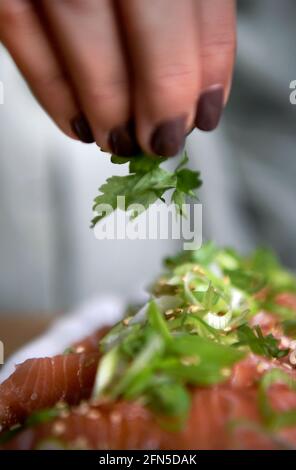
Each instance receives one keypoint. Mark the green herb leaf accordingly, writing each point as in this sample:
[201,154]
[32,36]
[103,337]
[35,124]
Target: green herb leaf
[195,327]
[178,198]
[43,416]
[203,374]
[152,349]
[205,350]
[248,281]
[289,327]
[144,164]
[188,180]
[37,417]
[169,398]
[158,322]
[259,344]
[146,183]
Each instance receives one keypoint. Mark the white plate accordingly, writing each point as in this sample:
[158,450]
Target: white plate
[68,329]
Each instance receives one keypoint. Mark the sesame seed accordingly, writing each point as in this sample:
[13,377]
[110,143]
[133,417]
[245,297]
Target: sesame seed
[58,428]
[61,405]
[115,418]
[226,372]
[193,309]
[292,357]
[94,414]
[83,409]
[190,361]
[285,342]
[169,312]
[261,367]
[80,442]
[198,270]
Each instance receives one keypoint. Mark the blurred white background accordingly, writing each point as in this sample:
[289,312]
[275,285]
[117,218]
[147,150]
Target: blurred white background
[49,258]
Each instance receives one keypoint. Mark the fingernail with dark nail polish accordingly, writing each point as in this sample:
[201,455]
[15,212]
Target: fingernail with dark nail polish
[123,141]
[209,108]
[168,138]
[104,150]
[81,128]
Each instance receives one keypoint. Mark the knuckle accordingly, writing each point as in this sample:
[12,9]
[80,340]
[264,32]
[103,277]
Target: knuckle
[49,80]
[219,43]
[175,78]
[5,11]
[75,5]
[105,90]
[108,102]
[11,9]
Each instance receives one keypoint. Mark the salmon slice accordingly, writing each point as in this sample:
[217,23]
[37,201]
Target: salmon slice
[287,299]
[91,342]
[219,419]
[41,383]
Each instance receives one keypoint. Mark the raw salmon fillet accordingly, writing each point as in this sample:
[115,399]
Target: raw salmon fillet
[224,416]
[41,383]
[91,342]
[211,424]
[129,426]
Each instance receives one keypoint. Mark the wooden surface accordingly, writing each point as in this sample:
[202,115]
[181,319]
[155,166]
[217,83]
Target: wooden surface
[17,329]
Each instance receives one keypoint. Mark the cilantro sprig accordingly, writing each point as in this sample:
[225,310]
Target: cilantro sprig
[258,343]
[146,182]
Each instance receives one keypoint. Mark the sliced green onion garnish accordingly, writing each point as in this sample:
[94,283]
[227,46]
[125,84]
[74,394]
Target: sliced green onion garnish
[157,321]
[106,371]
[219,322]
[195,328]
[151,350]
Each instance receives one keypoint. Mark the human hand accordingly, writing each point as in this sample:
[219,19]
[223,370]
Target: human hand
[128,74]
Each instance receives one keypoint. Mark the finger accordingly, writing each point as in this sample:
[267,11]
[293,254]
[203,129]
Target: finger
[22,34]
[163,44]
[217,26]
[87,34]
